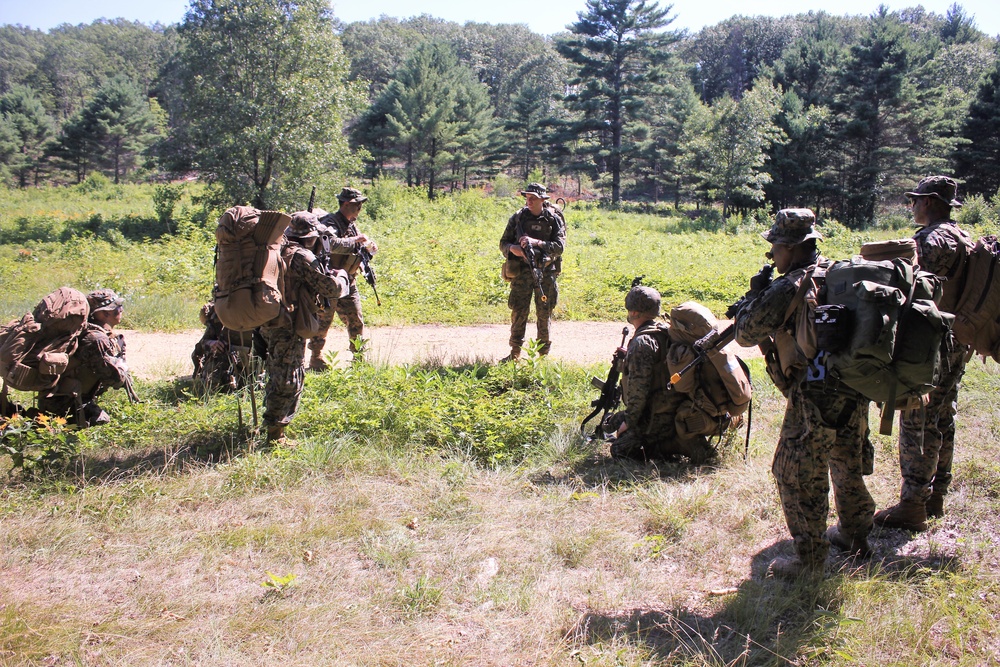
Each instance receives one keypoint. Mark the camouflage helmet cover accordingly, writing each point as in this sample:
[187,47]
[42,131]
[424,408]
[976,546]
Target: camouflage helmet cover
[104,299]
[792,226]
[643,299]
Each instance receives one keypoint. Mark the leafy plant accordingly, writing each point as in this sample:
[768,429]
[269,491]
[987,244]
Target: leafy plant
[278,586]
[36,444]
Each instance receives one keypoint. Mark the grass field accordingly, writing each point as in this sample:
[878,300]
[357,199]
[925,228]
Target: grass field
[452,515]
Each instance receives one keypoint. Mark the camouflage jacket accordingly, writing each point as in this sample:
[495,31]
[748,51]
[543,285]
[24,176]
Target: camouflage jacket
[340,248]
[98,363]
[306,279]
[941,247]
[645,374]
[549,227]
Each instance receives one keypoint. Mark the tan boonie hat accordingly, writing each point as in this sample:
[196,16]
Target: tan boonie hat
[351,195]
[104,299]
[792,226]
[939,187]
[643,299]
[304,225]
[536,189]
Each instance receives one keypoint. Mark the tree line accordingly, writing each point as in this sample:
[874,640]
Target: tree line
[261,98]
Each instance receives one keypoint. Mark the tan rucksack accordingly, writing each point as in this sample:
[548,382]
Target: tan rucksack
[974,298]
[721,387]
[35,350]
[248,270]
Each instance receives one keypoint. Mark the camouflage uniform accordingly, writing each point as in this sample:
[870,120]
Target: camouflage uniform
[223,368]
[97,365]
[285,348]
[343,255]
[825,425]
[550,228]
[927,434]
[650,409]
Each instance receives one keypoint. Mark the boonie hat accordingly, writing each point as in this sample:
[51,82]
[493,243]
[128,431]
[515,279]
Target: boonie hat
[536,189]
[304,225]
[792,226]
[939,187]
[643,299]
[351,195]
[104,299]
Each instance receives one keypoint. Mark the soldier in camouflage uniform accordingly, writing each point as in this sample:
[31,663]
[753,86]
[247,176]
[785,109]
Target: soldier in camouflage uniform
[825,425]
[285,348]
[927,434]
[223,358]
[97,365]
[647,427]
[539,228]
[344,243]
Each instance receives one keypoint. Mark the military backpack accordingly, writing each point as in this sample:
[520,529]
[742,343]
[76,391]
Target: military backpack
[248,269]
[973,295]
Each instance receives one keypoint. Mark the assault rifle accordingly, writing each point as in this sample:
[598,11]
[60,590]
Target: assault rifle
[369,271]
[529,257]
[611,392]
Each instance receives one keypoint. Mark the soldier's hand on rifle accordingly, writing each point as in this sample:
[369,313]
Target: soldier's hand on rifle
[761,280]
[528,242]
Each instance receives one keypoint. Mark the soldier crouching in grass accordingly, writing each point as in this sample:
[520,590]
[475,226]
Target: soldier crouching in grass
[97,365]
[825,424]
[305,280]
[647,428]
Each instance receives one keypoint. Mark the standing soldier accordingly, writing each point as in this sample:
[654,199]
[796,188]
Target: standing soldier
[345,243]
[532,245]
[826,424]
[305,280]
[927,434]
[97,365]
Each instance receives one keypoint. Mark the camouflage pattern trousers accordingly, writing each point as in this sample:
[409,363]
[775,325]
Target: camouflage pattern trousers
[656,437]
[927,434]
[285,375]
[348,308]
[521,290]
[822,439]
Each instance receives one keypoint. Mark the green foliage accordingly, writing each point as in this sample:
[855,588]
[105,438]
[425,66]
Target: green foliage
[37,445]
[277,585]
[165,198]
[422,596]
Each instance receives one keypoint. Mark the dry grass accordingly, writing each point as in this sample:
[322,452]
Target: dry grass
[423,560]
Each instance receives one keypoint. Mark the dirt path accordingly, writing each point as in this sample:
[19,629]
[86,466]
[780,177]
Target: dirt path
[166,355]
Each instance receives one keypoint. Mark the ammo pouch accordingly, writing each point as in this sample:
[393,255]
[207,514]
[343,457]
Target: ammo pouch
[834,325]
[52,363]
[511,269]
[305,316]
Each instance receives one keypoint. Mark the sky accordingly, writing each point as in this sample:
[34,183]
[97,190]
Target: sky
[544,17]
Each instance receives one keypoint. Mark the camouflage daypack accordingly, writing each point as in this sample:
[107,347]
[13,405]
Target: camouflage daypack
[35,350]
[248,267]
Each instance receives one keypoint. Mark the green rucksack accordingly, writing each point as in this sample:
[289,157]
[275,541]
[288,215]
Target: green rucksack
[879,330]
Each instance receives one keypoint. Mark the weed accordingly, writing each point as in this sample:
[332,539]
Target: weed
[422,596]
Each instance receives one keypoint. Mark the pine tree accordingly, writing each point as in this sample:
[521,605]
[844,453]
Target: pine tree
[979,161]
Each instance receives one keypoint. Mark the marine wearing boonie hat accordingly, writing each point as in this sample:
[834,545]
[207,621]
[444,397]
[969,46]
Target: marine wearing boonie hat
[104,299]
[643,299]
[351,195]
[536,189]
[792,226]
[938,187]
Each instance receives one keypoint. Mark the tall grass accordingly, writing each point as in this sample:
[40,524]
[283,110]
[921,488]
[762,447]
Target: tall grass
[439,261]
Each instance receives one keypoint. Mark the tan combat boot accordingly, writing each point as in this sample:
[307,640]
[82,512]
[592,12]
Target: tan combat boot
[908,515]
[935,506]
[790,568]
[854,546]
[317,362]
[276,435]
[515,352]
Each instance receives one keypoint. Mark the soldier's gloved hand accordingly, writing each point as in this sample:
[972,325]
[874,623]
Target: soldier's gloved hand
[761,280]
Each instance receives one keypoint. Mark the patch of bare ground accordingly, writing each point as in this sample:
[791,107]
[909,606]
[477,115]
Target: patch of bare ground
[154,355]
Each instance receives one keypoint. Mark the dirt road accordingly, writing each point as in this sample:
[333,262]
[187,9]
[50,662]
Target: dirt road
[157,356]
